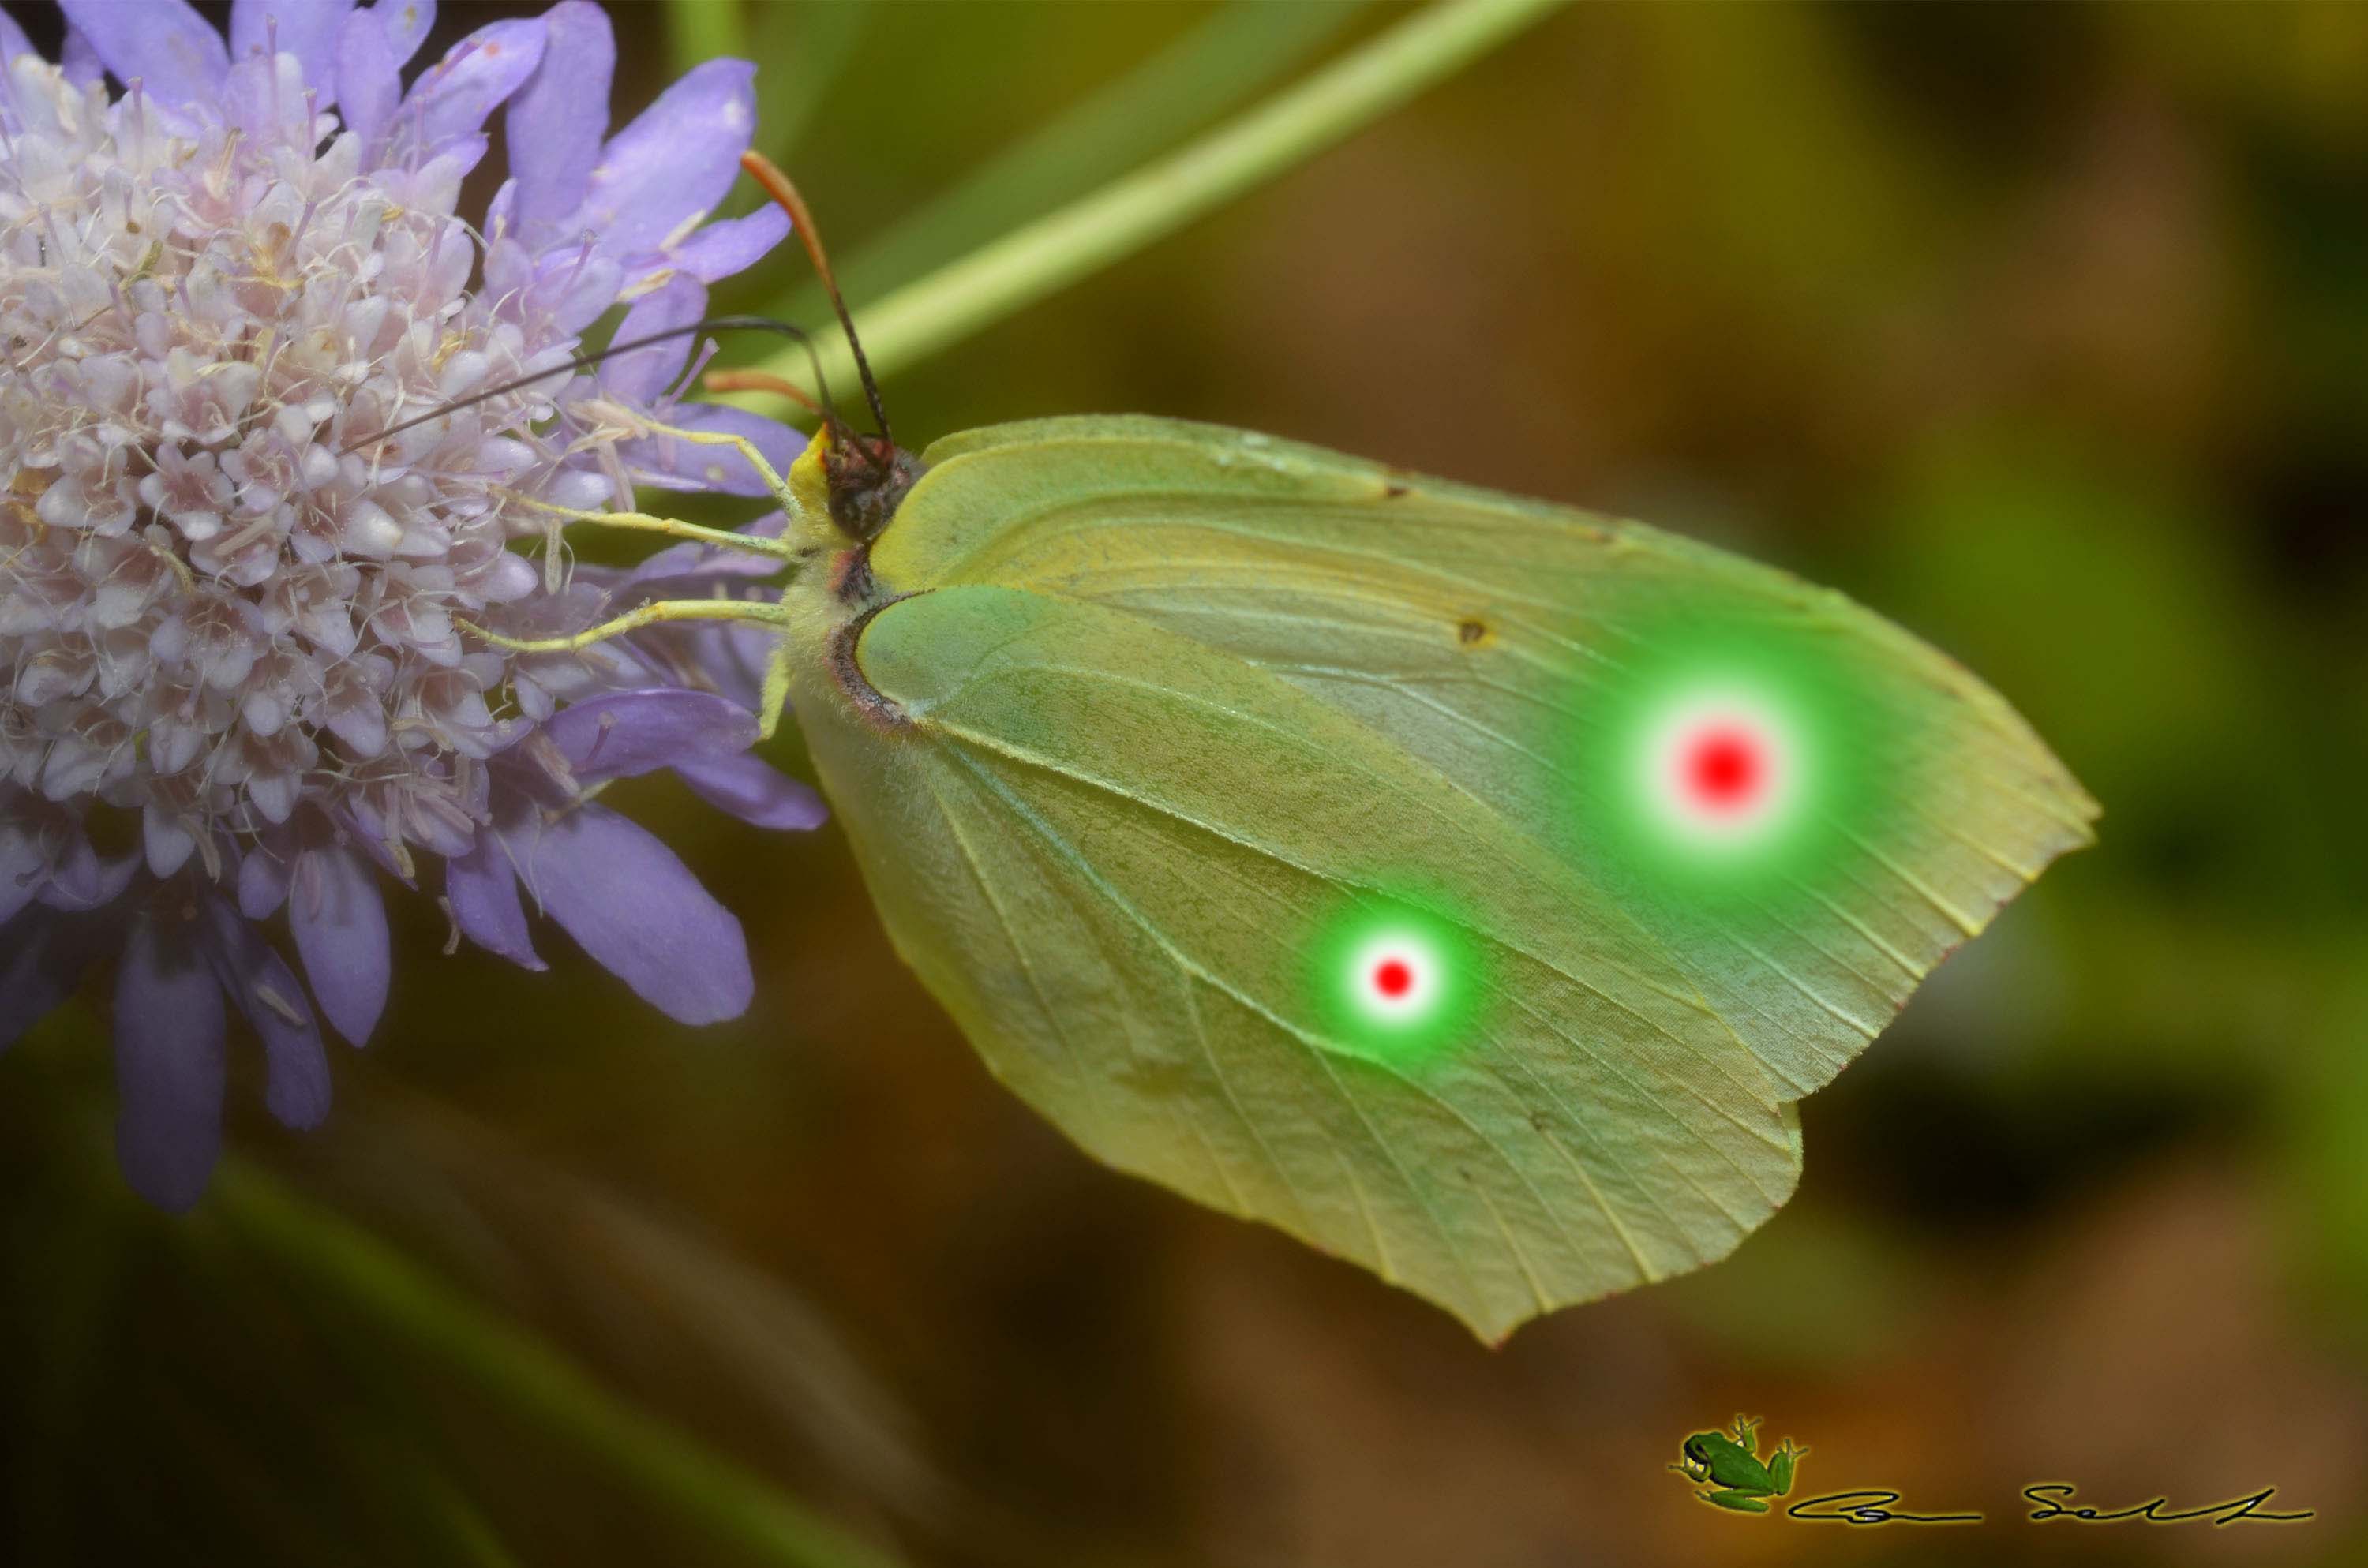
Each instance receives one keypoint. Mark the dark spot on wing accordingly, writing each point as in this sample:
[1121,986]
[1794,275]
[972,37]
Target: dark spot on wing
[1472,632]
[1392,490]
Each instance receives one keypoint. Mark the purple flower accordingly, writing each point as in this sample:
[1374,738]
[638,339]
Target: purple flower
[242,679]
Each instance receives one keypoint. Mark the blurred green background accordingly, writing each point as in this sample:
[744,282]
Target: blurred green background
[2043,331]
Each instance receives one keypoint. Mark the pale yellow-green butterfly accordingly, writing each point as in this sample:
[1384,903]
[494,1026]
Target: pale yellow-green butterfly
[1466,885]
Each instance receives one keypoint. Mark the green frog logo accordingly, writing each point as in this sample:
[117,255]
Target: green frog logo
[1730,1471]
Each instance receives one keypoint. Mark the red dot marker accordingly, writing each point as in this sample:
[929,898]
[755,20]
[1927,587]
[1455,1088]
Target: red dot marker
[1392,978]
[1724,770]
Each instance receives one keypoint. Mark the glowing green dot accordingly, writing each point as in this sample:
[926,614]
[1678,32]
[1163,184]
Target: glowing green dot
[1716,762]
[1393,981]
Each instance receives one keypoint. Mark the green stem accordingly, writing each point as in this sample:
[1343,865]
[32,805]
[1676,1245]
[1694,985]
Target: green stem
[800,51]
[1228,60]
[375,1280]
[700,30]
[1024,265]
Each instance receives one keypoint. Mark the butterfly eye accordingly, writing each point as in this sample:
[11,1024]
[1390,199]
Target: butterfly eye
[868,477]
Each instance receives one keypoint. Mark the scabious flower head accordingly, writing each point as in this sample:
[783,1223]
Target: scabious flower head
[240,668]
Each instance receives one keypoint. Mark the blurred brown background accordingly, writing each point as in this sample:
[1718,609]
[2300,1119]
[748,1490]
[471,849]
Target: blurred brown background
[2043,331]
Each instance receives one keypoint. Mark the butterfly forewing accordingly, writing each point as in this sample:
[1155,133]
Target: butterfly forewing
[1167,739]
[1517,648]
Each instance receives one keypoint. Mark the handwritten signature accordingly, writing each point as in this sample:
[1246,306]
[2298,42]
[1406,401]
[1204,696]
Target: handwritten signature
[1877,1505]
[2227,1512]
[1876,1510]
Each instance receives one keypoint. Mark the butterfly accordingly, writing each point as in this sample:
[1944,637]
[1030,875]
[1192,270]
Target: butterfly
[1469,886]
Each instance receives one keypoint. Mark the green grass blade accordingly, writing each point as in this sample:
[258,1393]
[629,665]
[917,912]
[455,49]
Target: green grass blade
[375,1280]
[1011,273]
[800,51]
[705,29]
[1195,81]
[462,1533]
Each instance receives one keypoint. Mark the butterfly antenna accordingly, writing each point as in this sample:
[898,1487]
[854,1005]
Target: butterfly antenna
[585,361]
[777,185]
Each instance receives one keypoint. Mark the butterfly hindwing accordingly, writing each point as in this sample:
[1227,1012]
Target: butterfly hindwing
[1109,851]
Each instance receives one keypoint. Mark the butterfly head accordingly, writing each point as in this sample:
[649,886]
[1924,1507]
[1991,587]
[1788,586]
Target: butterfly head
[865,478]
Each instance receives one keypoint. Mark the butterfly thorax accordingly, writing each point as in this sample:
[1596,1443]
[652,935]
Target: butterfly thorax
[843,490]
[846,487]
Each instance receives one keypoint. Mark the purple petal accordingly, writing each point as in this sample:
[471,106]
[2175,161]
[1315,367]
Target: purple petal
[733,659]
[305,29]
[265,97]
[754,790]
[77,877]
[575,287]
[693,571]
[668,566]
[640,376]
[444,833]
[406,23]
[169,842]
[641,915]
[449,104]
[554,125]
[169,1067]
[23,867]
[719,250]
[162,43]
[78,62]
[678,158]
[263,875]
[84,880]
[42,957]
[698,571]
[483,893]
[340,925]
[296,1085]
[12,41]
[619,734]
[671,463]
[370,86]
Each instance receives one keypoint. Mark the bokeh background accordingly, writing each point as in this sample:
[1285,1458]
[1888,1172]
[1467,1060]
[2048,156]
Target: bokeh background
[2043,331]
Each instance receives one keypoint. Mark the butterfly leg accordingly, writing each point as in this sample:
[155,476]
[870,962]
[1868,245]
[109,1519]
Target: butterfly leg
[752,611]
[776,698]
[745,447]
[722,538]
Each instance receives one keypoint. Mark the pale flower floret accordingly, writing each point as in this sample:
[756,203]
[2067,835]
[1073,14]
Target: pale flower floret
[241,636]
